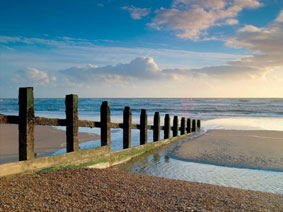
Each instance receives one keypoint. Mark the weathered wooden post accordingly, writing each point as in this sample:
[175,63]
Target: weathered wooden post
[143,127]
[26,124]
[198,125]
[105,124]
[127,122]
[183,125]
[175,126]
[189,126]
[156,127]
[193,125]
[167,126]
[72,119]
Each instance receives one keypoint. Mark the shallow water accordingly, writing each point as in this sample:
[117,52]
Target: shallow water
[162,164]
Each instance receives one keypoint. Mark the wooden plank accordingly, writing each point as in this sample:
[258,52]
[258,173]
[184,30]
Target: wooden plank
[167,126]
[127,132]
[26,124]
[175,126]
[156,127]
[105,121]
[189,127]
[72,123]
[50,121]
[9,119]
[183,125]
[143,127]
[91,124]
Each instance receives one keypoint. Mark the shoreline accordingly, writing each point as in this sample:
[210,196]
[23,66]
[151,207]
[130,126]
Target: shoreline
[48,139]
[250,149]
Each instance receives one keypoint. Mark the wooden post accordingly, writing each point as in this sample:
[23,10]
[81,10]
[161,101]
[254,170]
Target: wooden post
[127,122]
[105,124]
[198,125]
[143,127]
[72,119]
[194,125]
[156,127]
[189,126]
[183,125]
[26,124]
[175,126]
[167,126]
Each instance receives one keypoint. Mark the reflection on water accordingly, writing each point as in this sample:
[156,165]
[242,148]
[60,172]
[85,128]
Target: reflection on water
[160,163]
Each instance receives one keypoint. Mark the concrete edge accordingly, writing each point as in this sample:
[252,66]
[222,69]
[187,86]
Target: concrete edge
[99,157]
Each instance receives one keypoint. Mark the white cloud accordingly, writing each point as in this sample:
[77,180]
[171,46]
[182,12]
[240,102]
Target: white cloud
[268,40]
[247,3]
[142,68]
[249,28]
[231,21]
[33,76]
[280,17]
[137,13]
[191,18]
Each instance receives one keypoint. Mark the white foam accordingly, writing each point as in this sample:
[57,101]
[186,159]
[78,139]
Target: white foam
[251,123]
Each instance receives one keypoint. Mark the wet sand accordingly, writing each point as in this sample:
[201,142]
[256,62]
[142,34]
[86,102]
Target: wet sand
[236,148]
[47,140]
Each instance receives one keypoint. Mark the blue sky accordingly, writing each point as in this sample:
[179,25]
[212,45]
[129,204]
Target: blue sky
[142,48]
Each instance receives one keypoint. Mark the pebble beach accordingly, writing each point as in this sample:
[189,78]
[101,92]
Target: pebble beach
[84,189]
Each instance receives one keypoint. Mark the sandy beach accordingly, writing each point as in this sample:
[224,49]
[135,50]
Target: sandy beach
[236,148]
[47,139]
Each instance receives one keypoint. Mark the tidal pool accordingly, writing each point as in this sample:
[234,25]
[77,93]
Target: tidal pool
[162,163]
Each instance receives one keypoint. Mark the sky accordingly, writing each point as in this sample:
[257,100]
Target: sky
[142,48]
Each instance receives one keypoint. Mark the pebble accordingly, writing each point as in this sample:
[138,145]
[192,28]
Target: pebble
[85,189]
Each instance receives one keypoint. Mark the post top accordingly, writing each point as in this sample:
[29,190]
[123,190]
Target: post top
[26,88]
[71,95]
[105,103]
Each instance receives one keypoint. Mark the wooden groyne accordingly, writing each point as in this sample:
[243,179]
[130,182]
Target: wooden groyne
[26,121]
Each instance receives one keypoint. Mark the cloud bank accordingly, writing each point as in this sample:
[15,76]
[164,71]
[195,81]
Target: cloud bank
[33,76]
[266,43]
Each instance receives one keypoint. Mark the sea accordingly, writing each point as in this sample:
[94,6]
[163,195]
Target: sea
[216,113]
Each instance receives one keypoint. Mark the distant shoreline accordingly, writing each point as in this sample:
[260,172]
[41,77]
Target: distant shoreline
[253,149]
